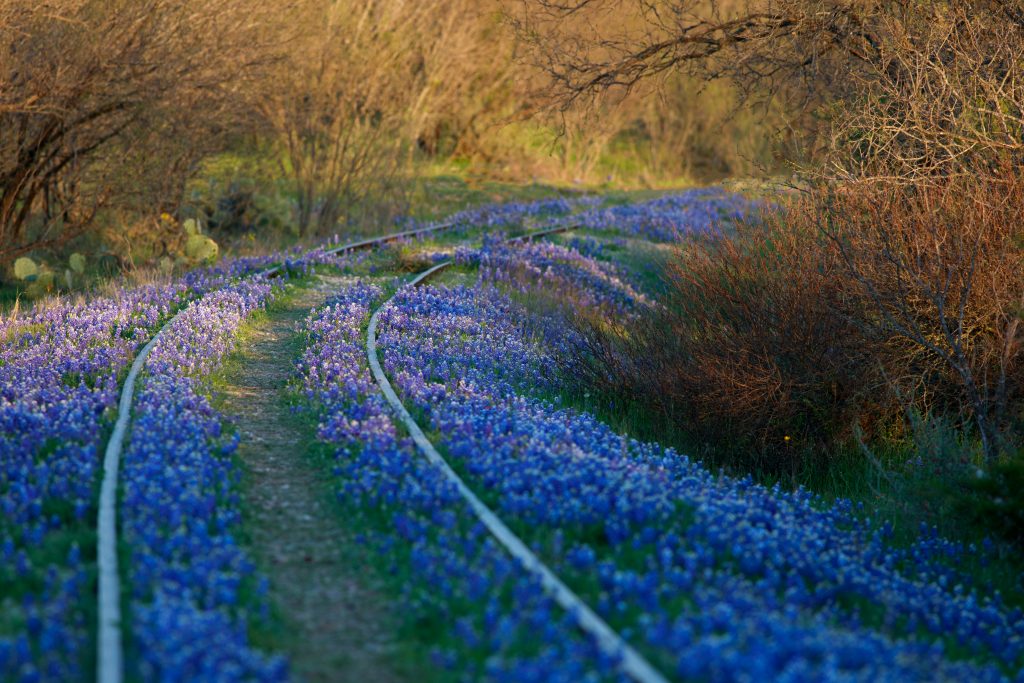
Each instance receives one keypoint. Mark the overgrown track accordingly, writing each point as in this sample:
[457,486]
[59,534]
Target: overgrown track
[110,652]
[631,662]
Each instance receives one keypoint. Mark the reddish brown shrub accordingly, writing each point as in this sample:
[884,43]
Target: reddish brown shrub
[941,269]
[847,308]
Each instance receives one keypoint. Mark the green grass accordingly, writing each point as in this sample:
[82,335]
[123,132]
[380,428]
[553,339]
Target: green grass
[454,276]
[414,638]
[444,191]
[899,496]
[642,261]
[11,295]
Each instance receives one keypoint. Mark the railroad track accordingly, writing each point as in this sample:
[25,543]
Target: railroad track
[109,645]
[631,662]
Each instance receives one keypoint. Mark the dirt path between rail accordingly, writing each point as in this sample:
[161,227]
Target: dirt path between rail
[336,626]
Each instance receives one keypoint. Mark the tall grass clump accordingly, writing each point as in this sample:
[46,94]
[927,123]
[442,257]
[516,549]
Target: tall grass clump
[858,316]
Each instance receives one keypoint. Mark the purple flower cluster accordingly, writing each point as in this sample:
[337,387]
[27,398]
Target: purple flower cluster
[179,507]
[587,245]
[514,214]
[499,218]
[60,369]
[711,577]
[500,625]
[716,578]
[562,271]
[666,218]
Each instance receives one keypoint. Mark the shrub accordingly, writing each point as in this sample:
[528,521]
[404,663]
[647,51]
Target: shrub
[995,500]
[108,105]
[747,344]
[847,310]
[941,271]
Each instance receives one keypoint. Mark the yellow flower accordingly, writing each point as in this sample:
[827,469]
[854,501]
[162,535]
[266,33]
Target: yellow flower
[166,217]
[786,437]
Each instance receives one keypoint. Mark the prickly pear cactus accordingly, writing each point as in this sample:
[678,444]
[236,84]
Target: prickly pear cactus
[77,263]
[26,269]
[201,248]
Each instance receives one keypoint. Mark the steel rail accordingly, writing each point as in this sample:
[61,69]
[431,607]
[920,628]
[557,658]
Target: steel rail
[631,662]
[373,241]
[109,645]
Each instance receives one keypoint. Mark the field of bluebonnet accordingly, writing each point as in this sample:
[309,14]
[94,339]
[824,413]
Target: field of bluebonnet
[706,575]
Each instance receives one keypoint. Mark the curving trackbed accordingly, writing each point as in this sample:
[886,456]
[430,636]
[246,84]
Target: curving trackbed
[109,646]
[631,662]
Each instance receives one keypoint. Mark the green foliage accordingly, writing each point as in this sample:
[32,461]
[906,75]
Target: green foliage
[35,279]
[240,192]
[243,206]
[41,285]
[442,190]
[994,500]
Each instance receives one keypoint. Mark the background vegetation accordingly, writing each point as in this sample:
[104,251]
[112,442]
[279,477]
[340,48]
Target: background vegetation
[865,336]
[874,317]
[306,118]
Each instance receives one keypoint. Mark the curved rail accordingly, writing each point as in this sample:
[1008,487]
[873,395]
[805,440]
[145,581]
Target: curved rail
[109,648]
[631,662]
[373,241]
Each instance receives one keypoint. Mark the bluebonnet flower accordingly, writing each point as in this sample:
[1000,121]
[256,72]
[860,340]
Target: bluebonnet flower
[504,626]
[667,218]
[716,577]
[179,508]
[60,370]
